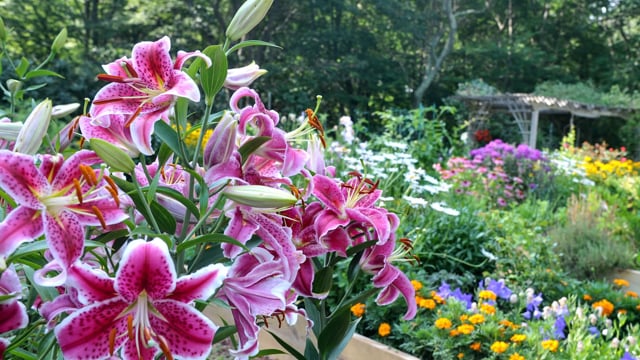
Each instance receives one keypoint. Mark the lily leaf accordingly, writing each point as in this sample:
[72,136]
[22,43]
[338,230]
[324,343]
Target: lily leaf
[212,78]
[41,72]
[252,145]
[246,43]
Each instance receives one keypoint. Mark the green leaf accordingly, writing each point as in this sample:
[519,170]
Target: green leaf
[336,335]
[22,67]
[169,137]
[224,332]
[212,77]
[310,351]
[314,314]
[42,72]
[323,280]
[252,145]
[266,352]
[210,238]
[175,195]
[246,43]
[355,249]
[164,153]
[293,352]
[166,221]
[111,235]
[34,87]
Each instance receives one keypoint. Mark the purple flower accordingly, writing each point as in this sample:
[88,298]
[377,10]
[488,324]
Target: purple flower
[627,356]
[594,331]
[559,327]
[533,305]
[497,287]
[444,291]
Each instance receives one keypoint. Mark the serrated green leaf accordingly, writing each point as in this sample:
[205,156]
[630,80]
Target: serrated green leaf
[246,43]
[41,72]
[252,145]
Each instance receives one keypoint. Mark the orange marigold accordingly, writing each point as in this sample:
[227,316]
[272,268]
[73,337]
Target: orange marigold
[621,282]
[358,309]
[517,338]
[587,297]
[499,347]
[476,346]
[464,317]
[465,329]
[551,345]
[516,356]
[487,295]
[454,333]
[460,355]
[437,297]
[632,294]
[443,323]
[427,304]
[476,319]
[605,305]
[417,285]
[487,309]
[384,329]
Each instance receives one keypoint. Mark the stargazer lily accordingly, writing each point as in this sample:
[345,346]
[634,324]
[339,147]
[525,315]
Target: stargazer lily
[13,314]
[58,198]
[145,88]
[144,311]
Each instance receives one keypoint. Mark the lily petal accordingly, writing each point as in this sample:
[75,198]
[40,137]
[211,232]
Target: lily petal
[20,178]
[93,285]
[152,61]
[145,266]
[13,316]
[21,225]
[327,191]
[65,236]
[183,85]
[199,285]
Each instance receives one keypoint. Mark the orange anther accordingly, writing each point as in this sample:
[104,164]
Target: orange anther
[130,327]
[76,184]
[164,347]
[99,216]
[112,341]
[133,117]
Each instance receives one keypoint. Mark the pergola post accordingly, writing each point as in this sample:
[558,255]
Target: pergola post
[533,134]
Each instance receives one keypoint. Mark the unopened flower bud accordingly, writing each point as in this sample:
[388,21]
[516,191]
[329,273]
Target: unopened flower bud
[632,340]
[513,298]
[593,319]
[59,41]
[243,76]
[112,155]
[247,17]
[14,85]
[615,343]
[9,130]
[259,196]
[59,111]
[34,129]
[222,142]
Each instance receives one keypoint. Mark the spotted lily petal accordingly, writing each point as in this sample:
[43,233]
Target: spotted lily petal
[19,227]
[20,178]
[200,284]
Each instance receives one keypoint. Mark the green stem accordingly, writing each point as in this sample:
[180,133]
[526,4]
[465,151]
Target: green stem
[203,130]
[151,219]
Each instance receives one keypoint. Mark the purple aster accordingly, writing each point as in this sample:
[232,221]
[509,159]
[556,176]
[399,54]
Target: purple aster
[627,356]
[559,327]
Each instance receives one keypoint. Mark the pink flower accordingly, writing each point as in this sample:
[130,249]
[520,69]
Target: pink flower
[145,88]
[144,310]
[243,76]
[13,314]
[57,199]
[115,132]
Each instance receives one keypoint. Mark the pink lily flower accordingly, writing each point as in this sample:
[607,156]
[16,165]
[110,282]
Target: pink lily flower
[256,286]
[58,199]
[145,88]
[13,314]
[115,133]
[243,76]
[145,310]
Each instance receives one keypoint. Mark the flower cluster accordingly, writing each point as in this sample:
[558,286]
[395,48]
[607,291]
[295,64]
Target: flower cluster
[251,221]
[505,173]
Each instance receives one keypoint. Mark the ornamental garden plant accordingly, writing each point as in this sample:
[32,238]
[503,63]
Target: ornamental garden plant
[119,225]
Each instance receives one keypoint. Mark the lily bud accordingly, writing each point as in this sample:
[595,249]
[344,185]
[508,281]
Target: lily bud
[59,41]
[9,130]
[259,196]
[222,142]
[59,111]
[243,76]
[34,129]
[14,85]
[247,17]
[113,156]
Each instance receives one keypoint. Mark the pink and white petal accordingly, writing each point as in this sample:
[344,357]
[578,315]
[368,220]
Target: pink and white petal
[9,282]
[199,285]
[247,329]
[182,85]
[135,350]
[400,286]
[65,237]
[374,217]
[116,98]
[188,332]
[146,266]
[45,275]
[184,56]
[337,240]
[115,68]
[240,229]
[111,212]
[21,179]
[63,304]
[328,220]
[70,169]
[153,63]
[114,134]
[93,285]
[85,333]
[329,192]
[21,225]
[13,315]
[141,131]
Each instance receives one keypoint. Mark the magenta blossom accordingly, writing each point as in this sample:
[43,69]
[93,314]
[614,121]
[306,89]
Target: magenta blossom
[145,310]
[115,132]
[13,314]
[145,88]
[58,199]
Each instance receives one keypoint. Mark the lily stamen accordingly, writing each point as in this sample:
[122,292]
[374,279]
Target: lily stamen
[99,215]
[76,185]
[134,116]
[112,341]
[162,342]
[130,327]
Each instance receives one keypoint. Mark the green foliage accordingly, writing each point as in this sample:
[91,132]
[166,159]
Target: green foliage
[587,93]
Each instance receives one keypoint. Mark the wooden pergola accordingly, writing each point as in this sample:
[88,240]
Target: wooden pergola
[526,109]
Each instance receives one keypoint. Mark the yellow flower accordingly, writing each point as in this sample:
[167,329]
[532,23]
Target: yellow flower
[476,319]
[551,345]
[487,295]
[443,323]
[605,305]
[358,309]
[417,285]
[517,338]
[437,298]
[621,282]
[516,356]
[427,304]
[464,317]
[465,329]
[632,294]
[384,329]
[476,346]
[460,355]
[487,309]
[499,347]
[454,333]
